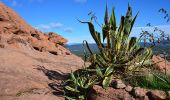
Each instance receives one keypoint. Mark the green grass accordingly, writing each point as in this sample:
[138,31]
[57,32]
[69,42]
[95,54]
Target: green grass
[155,80]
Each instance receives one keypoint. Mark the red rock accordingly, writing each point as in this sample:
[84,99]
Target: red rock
[160,64]
[156,95]
[2,46]
[20,78]
[19,74]
[55,38]
[138,92]
[98,93]
[11,25]
[128,88]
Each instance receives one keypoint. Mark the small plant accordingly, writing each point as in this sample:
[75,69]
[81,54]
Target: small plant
[79,84]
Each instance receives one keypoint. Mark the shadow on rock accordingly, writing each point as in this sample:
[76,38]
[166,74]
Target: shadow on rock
[57,85]
[51,74]
[57,88]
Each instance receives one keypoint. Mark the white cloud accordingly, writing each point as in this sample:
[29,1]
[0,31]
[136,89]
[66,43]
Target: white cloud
[42,27]
[51,26]
[45,27]
[80,1]
[68,30]
[56,25]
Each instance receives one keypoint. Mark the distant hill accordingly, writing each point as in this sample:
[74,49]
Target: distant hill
[163,47]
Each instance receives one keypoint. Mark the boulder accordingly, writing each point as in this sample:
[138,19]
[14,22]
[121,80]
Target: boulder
[128,88]
[156,95]
[138,92]
[55,38]
[98,93]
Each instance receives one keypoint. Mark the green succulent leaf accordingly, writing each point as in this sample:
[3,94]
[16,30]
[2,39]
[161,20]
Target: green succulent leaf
[107,80]
[113,20]
[132,42]
[133,21]
[106,18]
[72,77]
[70,98]
[88,47]
[71,89]
[81,97]
[99,71]
[108,71]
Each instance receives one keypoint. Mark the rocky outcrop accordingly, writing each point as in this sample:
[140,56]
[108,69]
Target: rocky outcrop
[32,64]
[16,33]
[98,93]
[126,93]
[27,74]
[161,64]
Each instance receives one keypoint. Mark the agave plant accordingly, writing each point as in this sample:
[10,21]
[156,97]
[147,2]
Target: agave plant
[78,85]
[121,54]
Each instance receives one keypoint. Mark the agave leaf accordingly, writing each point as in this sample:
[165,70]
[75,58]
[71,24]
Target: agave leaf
[98,71]
[71,89]
[104,31]
[93,33]
[113,41]
[106,18]
[129,11]
[128,20]
[143,63]
[133,21]
[121,26]
[107,80]
[88,47]
[101,61]
[81,97]
[81,82]
[119,36]
[134,55]
[148,53]
[132,42]
[90,83]
[104,54]
[99,40]
[85,52]
[70,98]
[137,53]
[92,59]
[113,20]
[108,71]
[72,77]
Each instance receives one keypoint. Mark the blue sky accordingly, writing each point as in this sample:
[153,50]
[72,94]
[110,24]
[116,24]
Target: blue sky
[60,15]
